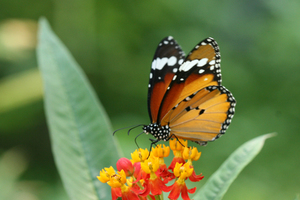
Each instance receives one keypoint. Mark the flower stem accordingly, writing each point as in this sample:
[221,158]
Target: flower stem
[159,197]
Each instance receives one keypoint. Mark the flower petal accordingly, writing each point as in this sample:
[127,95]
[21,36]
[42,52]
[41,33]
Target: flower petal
[196,178]
[184,193]
[175,192]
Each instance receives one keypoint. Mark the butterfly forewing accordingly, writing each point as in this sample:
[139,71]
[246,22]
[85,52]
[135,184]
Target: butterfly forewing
[185,97]
[200,69]
[204,115]
[165,64]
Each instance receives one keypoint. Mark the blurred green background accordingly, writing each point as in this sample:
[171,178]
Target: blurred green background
[114,42]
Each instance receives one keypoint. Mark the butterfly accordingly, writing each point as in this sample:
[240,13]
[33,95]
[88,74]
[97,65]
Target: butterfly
[185,96]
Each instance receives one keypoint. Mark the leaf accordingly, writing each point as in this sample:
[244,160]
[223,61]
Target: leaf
[219,182]
[80,131]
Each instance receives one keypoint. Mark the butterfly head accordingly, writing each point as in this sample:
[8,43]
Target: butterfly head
[159,132]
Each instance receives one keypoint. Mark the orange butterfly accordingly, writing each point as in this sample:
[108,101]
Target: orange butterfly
[185,96]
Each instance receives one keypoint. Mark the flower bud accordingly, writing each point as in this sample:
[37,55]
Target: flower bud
[126,165]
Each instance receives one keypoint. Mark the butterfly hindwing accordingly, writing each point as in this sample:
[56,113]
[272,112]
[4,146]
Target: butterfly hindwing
[186,99]
[200,69]
[167,59]
[204,115]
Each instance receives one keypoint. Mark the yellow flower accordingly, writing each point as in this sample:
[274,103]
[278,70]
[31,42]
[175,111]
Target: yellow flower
[183,171]
[139,155]
[150,165]
[129,181]
[117,180]
[176,144]
[191,154]
[106,174]
[161,152]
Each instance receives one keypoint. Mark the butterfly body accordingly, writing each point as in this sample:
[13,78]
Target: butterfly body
[185,96]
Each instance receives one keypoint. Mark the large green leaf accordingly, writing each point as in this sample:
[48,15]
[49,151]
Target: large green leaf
[81,135]
[219,182]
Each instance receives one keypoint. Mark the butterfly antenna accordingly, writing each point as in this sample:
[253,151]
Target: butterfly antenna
[134,128]
[136,138]
[127,127]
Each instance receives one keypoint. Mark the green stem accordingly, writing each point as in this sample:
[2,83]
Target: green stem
[159,197]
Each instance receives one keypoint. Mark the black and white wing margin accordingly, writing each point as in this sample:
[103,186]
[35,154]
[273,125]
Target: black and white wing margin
[166,62]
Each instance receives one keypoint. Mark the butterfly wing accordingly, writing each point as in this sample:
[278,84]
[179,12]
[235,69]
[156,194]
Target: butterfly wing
[167,59]
[204,115]
[200,69]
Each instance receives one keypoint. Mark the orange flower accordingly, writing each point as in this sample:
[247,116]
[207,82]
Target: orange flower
[179,187]
[192,154]
[153,183]
[144,177]
[176,146]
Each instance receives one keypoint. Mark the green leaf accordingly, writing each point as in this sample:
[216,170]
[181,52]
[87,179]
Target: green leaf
[80,131]
[219,182]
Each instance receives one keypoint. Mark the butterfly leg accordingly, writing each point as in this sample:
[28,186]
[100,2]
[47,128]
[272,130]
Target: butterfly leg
[176,139]
[153,142]
[136,138]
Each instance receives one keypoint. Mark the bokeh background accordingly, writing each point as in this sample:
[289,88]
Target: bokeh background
[114,42]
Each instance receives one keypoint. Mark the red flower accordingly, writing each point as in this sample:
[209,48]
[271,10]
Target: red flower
[194,177]
[126,165]
[179,187]
[164,173]
[153,183]
[174,161]
[155,187]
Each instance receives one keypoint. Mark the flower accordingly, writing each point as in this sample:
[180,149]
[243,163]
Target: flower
[126,165]
[177,147]
[139,155]
[192,154]
[179,187]
[153,183]
[106,174]
[145,176]
[161,153]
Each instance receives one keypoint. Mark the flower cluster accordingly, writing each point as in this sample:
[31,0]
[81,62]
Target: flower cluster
[146,175]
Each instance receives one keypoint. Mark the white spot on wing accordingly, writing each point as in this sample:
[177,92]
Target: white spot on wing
[170,38]
[186,66]
[201,71]
[172,61]
[154,63]
[166,42]
[180,61]
[160,63]
[202,62]
[212,62]
[175,70]
[151,75]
